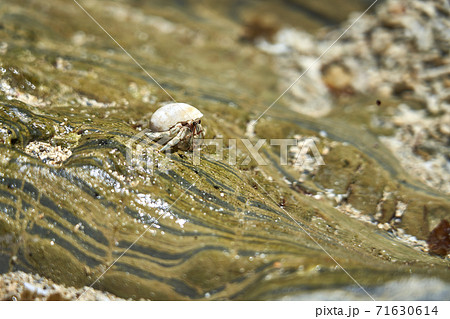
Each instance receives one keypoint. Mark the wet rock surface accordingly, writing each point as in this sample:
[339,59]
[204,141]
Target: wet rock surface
[439,239]
[398,55]
[79,183]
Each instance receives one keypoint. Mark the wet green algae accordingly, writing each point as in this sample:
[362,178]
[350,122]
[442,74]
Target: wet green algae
[364,169]
[70,222]
[218,251]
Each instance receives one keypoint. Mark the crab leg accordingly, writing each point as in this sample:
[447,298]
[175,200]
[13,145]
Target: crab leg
[164,137]
[183,132]
[157,135]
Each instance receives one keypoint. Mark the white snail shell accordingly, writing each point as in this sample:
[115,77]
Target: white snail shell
[169,115]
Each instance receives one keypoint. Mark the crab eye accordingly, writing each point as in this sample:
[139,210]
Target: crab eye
[199,121]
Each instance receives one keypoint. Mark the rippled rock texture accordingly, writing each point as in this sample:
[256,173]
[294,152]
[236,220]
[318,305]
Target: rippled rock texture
[73,107]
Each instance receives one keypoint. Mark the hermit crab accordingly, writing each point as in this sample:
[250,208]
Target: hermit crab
[176,125]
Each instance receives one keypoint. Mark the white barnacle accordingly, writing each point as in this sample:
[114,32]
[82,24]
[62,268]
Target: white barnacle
[176,124]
